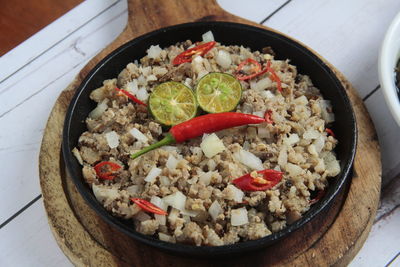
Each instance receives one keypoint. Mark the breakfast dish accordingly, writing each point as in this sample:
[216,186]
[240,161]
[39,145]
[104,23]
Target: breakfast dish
[253,165]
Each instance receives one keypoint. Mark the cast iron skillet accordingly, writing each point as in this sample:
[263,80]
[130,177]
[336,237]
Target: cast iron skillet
[227,34]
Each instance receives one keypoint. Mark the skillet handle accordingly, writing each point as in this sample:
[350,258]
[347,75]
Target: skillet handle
[149,15]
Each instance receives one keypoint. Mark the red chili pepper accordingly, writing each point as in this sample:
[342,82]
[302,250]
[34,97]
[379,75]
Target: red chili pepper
[132,97]
[105,169]
[147,206]
[274,76]
[330,132]
[187,55]
[267,116]
[200,125]
[320,194]
[256,70]
[268,180]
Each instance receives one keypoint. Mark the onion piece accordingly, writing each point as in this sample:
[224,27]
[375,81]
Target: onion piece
[166,238]
[132,87]
[105,195]
[212,145]
[208,37]
[138,135]
[239,217]
[311,134]
[162,219]
[223,59]
[112,139]
[172,162]
[325,111]
[154,51]
[152,175]
[205,177]
[142,94]
[319,143]
[77,155]
[293,169]
[99,110]
[132,190]
[249,159]
[291,140]
[176,200]
[215,210]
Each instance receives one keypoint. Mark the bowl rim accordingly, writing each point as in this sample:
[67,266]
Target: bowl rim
[179,248]
[390,50]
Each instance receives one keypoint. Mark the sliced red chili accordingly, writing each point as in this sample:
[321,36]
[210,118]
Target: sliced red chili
[106,170]
[274,76]
[268,116]
[187,55]
[320,194]
[130,96]
[330,132]
[255,71]
[147,206]
[269,178]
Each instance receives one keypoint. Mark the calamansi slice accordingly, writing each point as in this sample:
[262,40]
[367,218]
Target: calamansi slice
[218,92]
[172,103]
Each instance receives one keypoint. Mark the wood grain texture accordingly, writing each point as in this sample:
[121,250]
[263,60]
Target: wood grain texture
[86,240]
[19,19]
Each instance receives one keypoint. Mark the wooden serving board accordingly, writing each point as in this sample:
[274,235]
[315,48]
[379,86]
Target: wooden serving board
[87,241]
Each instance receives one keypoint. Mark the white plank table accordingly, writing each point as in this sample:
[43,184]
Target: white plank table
[32,75]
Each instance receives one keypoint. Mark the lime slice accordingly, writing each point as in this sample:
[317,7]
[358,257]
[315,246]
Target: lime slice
[172,103]
[218,92]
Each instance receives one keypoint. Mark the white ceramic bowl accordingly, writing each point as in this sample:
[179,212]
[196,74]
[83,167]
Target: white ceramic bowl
[389,56]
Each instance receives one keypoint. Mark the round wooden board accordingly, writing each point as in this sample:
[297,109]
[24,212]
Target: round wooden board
[335,243]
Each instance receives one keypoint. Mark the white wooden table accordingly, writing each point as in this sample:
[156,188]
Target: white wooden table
[346,33]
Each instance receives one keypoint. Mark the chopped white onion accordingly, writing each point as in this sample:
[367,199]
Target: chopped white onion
[141,80]
[301,100]
[263,84]
[172,162]
[152,175]
[319,143]
[154,51]
[142,94]
[132,190]
[332,164]
[208,37]
[267,94]
[99,110]
[205,177]
[239,217]
[211,164]
[293,170]
[176,200]
[164,180]
[282,158]
[212,145]
[215,210]
[162,219]
[291,140]
[311,134]
[231,192]
[105,195]
[249,159]
[146,71]
[223,59]
[132,86]
[190,213]
[151,78]
[138,135]
[326,115]
[262,131]
[112,139]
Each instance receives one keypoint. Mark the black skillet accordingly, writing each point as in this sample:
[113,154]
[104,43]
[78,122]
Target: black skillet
[228,34]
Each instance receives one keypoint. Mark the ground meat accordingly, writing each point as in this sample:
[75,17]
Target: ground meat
[196,191]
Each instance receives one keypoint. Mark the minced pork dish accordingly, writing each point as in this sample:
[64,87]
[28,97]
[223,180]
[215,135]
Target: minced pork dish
[189,192]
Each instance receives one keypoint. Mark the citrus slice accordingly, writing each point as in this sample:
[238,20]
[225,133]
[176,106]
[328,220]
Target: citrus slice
[172,103]
[218,92]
